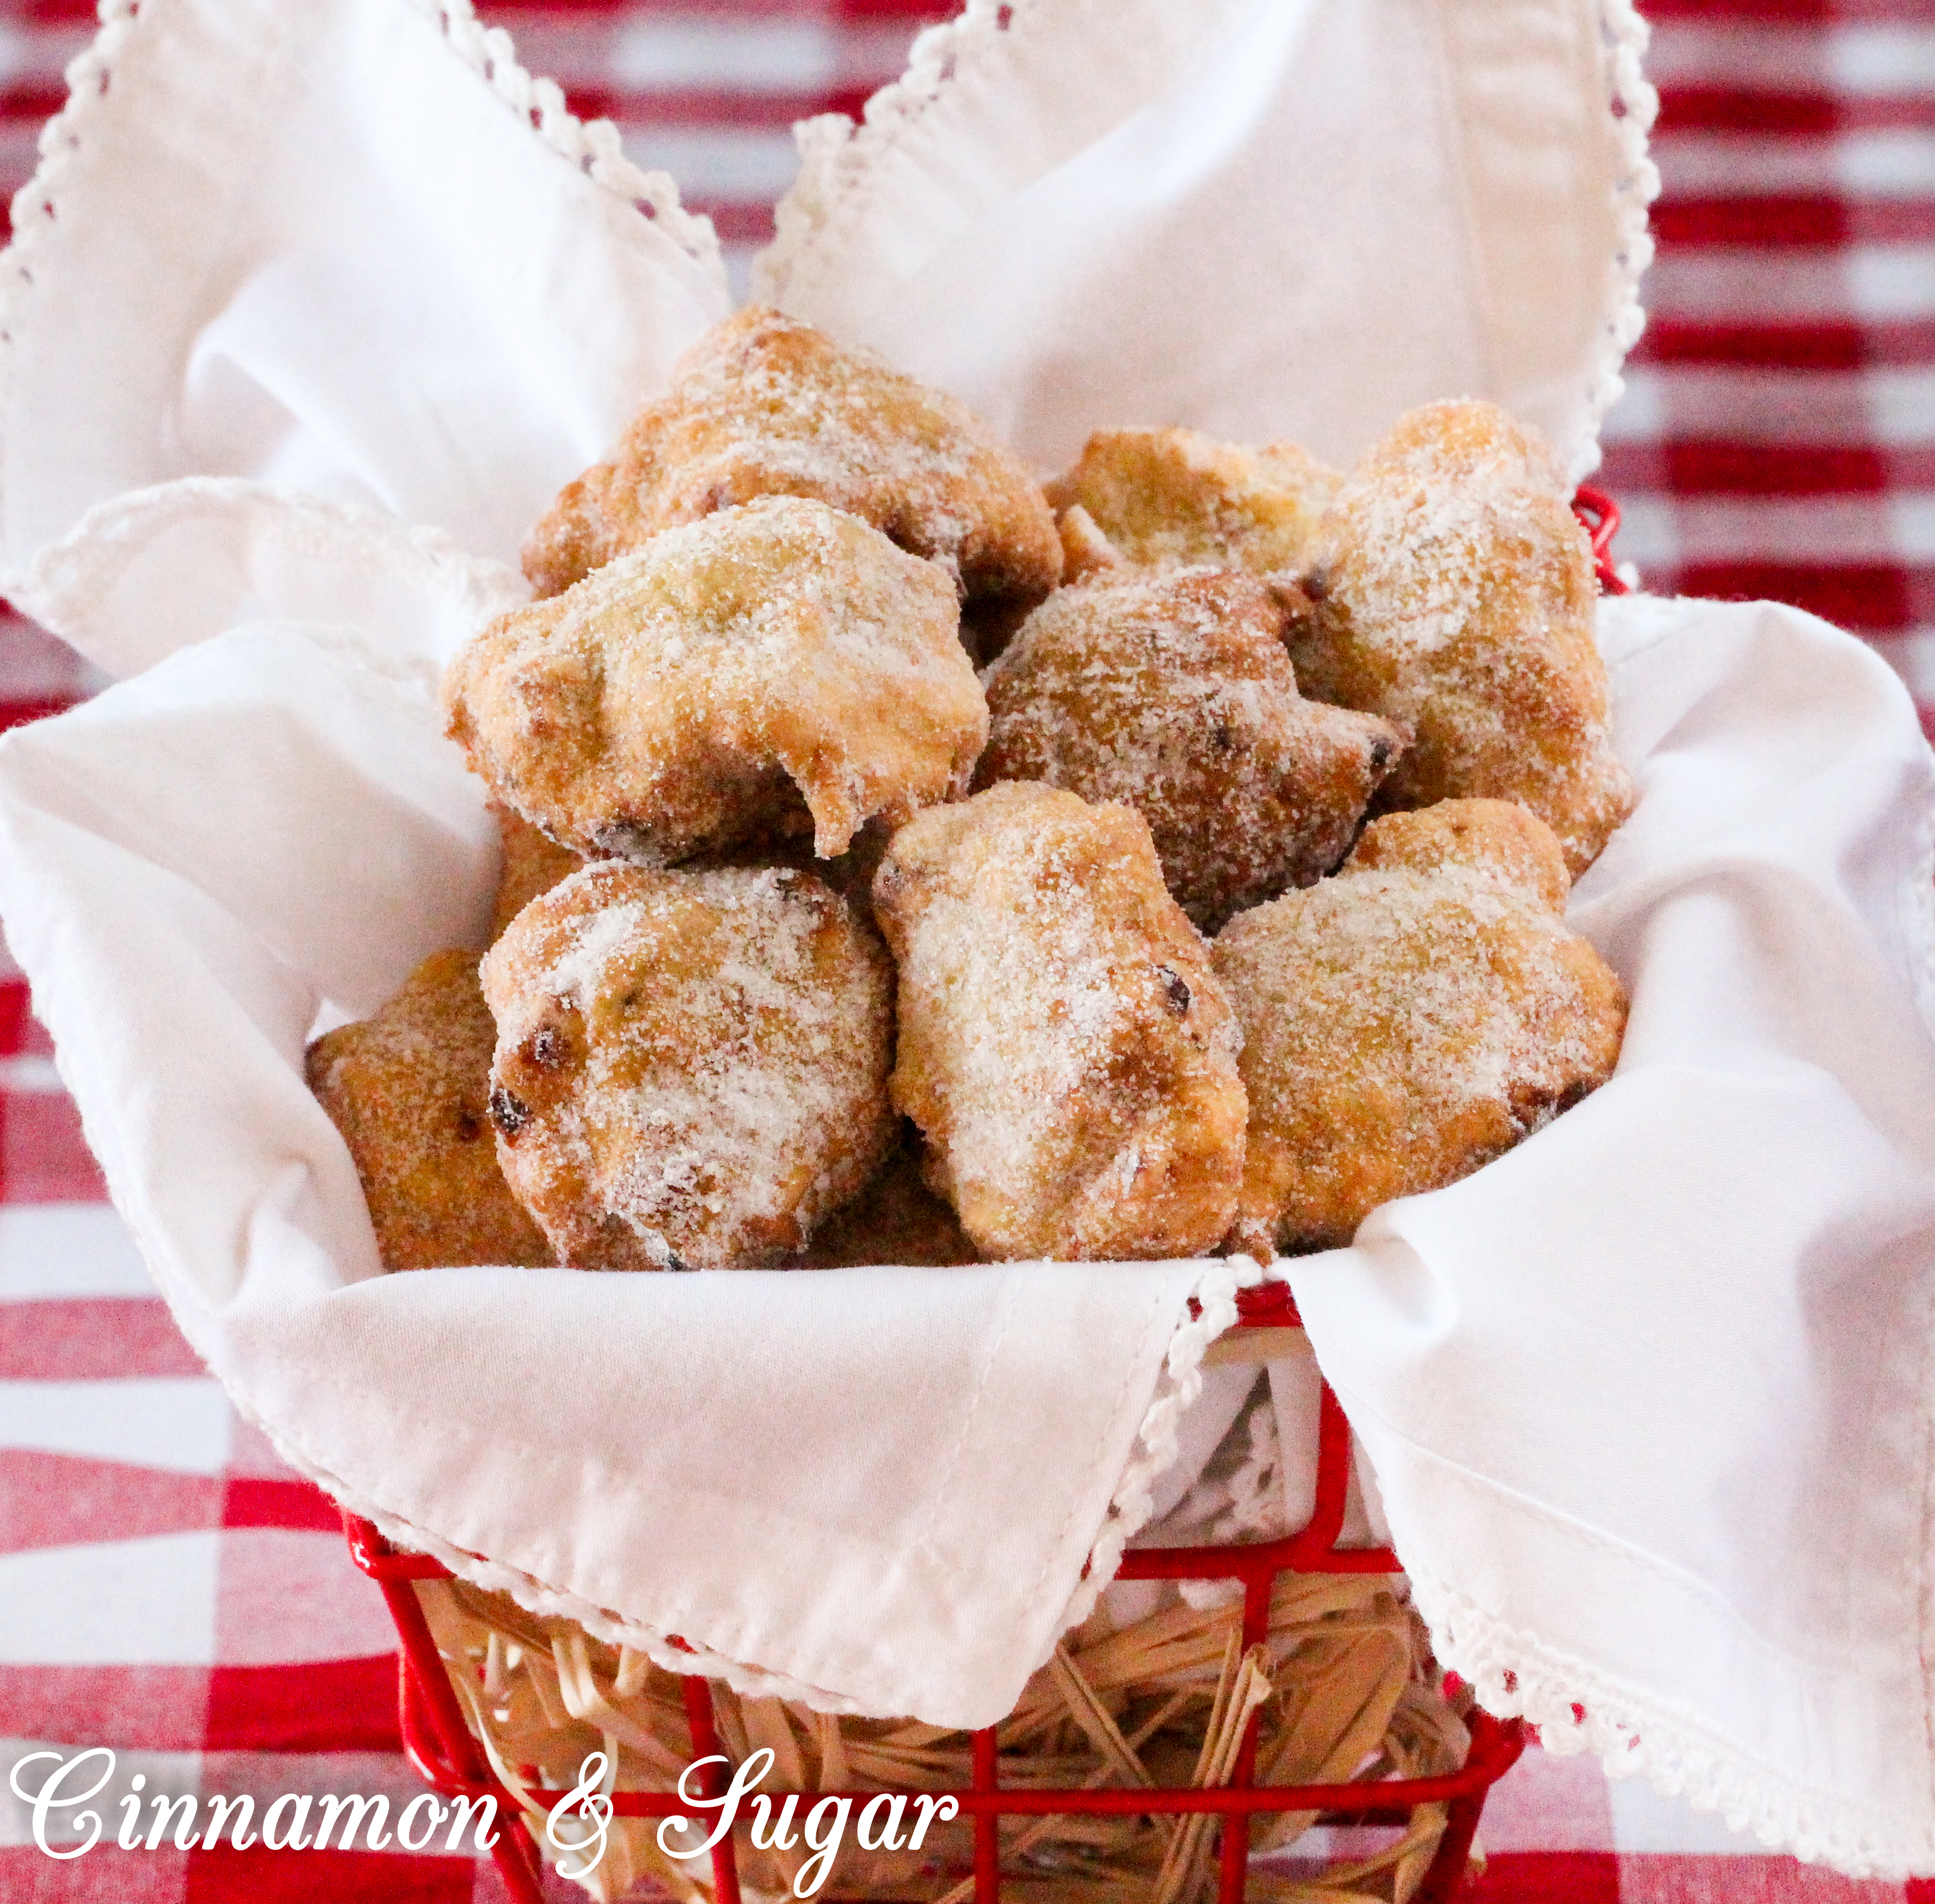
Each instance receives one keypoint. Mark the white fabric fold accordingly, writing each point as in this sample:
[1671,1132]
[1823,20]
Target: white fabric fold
[345,248]
[1648,1397]
[1091,210]
[145,574]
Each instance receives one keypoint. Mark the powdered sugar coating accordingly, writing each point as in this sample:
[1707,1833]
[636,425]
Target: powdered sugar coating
[1454,593]
[1410,1018]
[764,405]
[1063,1045]
[689,694]
[1176,498]
[1171,692]
[691,1068]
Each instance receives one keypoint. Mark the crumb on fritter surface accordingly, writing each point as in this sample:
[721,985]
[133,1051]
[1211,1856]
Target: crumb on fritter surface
[780,667]
[1454,591]
[765,405]
[1176,498]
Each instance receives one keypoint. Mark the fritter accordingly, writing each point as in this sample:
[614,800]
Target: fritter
[1171,693]
[1063,1046]
[1453,592]
[764,405]
[691,1068]
[409,1088]
[778,667]
[1410,1019]
[1169,498]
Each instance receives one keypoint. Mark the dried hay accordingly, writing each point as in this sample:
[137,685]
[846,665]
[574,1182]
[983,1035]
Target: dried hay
[1345,1685]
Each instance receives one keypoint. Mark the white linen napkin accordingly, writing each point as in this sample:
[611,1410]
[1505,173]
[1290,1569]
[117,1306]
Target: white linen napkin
[311,311]
[1649,1397]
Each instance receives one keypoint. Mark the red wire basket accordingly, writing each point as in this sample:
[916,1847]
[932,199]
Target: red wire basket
[441,1747]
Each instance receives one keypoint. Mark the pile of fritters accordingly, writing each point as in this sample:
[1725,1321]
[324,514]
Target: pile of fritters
[812,947]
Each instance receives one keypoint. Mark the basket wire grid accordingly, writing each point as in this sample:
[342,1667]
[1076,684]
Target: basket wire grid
[440,1742]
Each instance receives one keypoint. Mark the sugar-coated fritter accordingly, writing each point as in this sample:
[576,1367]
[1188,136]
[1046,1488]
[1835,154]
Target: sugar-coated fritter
[1171,693]
[1454,593]
[895,1219]
[764,405]
[691,1068]
[1410,1018]
[780,666]
[1176,498]
[1063,1046]
[409,1088]
[531,864]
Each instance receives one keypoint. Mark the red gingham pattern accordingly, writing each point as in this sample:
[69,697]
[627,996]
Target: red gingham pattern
[166,1588]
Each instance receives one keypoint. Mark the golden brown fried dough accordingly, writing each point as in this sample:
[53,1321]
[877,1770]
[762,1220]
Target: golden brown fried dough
[896,1219]
[686,696]
[1498,838]
[1172,693]
[408,1089]
[1410,1019]
[1064,1045]
[532,865]
[691,1068]
[1454,593]
[1086,551]
[1168,499]
[763,405]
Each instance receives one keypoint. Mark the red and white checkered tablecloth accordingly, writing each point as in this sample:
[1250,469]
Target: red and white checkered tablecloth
[167,1588]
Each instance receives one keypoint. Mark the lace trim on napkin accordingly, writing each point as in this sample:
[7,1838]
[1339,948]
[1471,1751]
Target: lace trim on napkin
[1577,1710]
[1179,1384]
[35,206]
[837,155]
[1634,105]
[1230,1504]
[593,146]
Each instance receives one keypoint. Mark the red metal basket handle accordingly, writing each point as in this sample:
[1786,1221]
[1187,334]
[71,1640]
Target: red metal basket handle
[1599,516]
